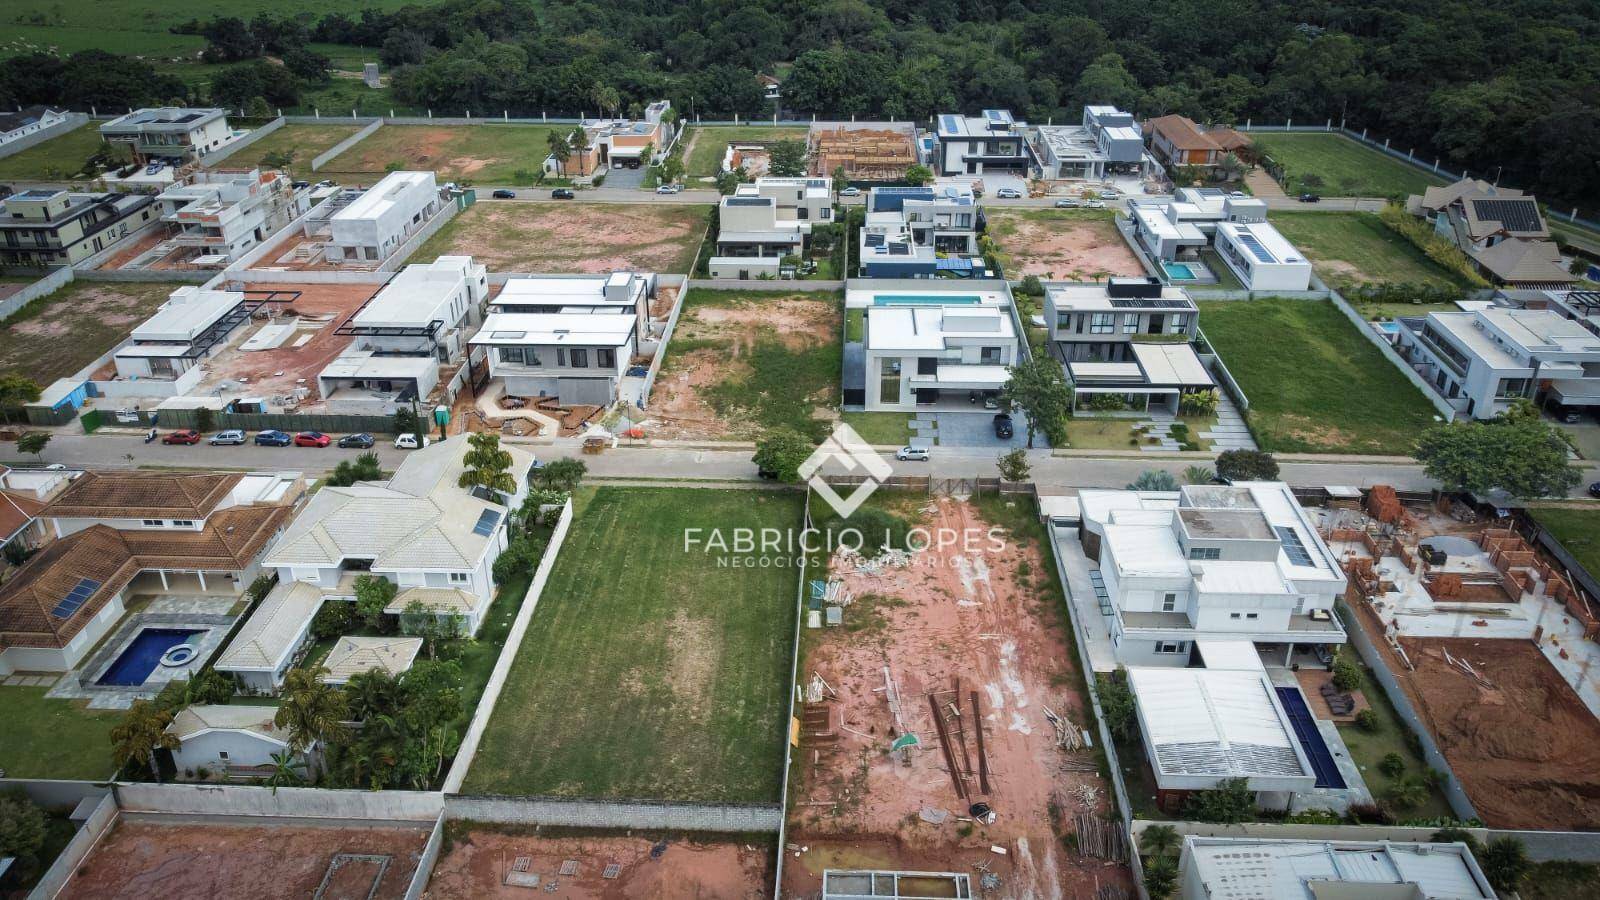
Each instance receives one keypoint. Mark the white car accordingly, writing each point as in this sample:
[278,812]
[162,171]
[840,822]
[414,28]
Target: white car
[1094,204]
[1008,194]
[668,189]
[409,442]
[912,454]
[850,192]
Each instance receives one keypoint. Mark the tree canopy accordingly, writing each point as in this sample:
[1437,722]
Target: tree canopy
[1524,457]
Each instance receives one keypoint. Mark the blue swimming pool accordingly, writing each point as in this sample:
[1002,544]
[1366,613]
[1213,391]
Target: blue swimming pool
[1179,271]
[141,657]
[1305,730]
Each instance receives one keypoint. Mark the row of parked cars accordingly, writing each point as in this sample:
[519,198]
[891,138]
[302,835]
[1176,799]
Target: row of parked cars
[272,438]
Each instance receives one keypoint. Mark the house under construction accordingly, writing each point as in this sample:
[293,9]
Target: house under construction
[868,151]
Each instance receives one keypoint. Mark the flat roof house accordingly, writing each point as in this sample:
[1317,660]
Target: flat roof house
[973,145]
[576,358]
[766,221]
[1116,337]
[375,224]
[1500,229]
[46,228]
[28,120]
[1269,869]
[619,293]
[1108,142]
[436,541]
[923,339]
[1481,362]
[220,214]
[921,232]
[170,345]
[169,134]
[1262,258]
[1178,228]
[618,143]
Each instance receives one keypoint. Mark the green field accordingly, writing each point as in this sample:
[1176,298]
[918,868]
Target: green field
[304,142]
[45,738]
[711,142]
[1346,167]
[55,159]
[650,671]
[1577,529]
[1349,249]
[483,154]
[1315,385]
[57,335]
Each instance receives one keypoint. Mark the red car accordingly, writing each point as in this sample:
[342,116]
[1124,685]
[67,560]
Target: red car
[186,436]
[311,439]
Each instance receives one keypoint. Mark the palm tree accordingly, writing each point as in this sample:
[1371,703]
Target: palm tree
[284,774]
[486,465]
[1158,840]
[580,143]
[311,710]
[606,97]
[369,693]
[560,149]
[1198,475]
[141,732]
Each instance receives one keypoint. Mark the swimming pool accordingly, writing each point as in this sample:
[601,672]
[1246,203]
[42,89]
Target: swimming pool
[926,299]
[1179,271]
[141,657]
[1305,730]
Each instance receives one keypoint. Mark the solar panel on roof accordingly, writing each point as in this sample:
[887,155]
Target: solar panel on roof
[75,598]
[1293,547]
[1515,215]
[487,520]
[1255,246]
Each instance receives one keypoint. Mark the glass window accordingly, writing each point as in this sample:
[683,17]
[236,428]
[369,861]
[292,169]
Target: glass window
[1102,323]
[1130,323]
[1180,324]
[1169,603]
[605,358]
[580,358]
[889,382]
[459,577]
[511,354]
[1205,553]
[990,356]
[154,523]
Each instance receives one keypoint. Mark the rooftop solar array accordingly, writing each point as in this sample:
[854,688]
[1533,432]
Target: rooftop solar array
[748,201]
[75,598]
[1293,547]
[1249,242]
[1515,215]
[1150,303]
[487,520]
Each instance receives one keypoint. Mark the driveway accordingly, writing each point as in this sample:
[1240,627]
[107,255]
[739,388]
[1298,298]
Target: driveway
[975,430]
[624,178]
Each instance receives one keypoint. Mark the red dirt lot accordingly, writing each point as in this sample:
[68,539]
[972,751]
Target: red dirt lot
[1527,750]
[142,858]
[973,613]
[476,862]
[1064,245]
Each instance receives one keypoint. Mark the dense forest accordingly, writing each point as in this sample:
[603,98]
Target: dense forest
[1514,83]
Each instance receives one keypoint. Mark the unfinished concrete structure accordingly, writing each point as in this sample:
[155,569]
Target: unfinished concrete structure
[868,151]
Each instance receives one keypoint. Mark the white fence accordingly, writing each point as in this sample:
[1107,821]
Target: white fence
[508,654]
[284,803]
[45,286]
[99,822]
[430,857]
[354,139]
[233,147]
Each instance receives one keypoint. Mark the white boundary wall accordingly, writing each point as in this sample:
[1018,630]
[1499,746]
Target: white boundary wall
[77,850]
[256,134]
[327,156]
[49,284]
[285,803]
[430,857]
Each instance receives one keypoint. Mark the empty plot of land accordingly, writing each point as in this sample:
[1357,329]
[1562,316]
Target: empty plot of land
[709,143]
[480,861]
[1340,167]
[573,237]
[301,143]
[57,335]
[1315,385]
[60,157]
[143,857]
[652,670]
[485,154]
[1061,244]
[1349,249]
[740,362]
[1577,529]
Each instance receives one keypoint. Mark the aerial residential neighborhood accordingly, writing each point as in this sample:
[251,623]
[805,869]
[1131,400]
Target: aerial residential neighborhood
[819,451]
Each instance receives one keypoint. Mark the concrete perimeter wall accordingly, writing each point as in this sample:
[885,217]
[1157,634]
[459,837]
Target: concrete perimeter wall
[99,822]
[508,655]
[284,803]
[786,286]
[643,814]
[429,229]
[256,134]
[430,857]
[354,139]
[73,121]
[45,286]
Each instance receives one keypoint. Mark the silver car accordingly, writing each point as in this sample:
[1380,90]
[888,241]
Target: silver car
[231,437]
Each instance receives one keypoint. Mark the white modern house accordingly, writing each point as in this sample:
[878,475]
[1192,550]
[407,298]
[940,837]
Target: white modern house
[1107,143]
[1220,563]
[619,293]
[763,222]
[436,541]
[222,213]
[170,345]
[928,340]
[1261,258]
[1177,228]
[376,223]
[1127,336]
[18,124]
[973,145]
[574,357]
[1215,867]
[921,232]
[1482,361]
[169,134]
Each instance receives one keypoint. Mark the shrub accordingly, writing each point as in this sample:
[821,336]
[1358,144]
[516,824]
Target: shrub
[1199,403]
[1437,248]
[1116,701]
[1106,402]
[22,826]
[1368,814]
[1408,792]
[1231,802]
[1392,765]
[332,620]
[1247,465]
[1346,671]
[1367,720]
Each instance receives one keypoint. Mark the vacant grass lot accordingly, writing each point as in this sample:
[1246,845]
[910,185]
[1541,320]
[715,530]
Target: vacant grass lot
[573,237]
[482,154]
[57,335]
[303,142]
[1349,249]
[55,159]
[1346,168]
[649,671]
[45,738]
[1315,385]
[1578,530]
[711,142]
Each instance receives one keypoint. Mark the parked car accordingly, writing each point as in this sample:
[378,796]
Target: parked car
[312,439]
[562,194]
[668,188]
[273,439]
[409,442]
[1310,198]
[1594,489]
[913,454]
[232,436]
[1067,204]
[851,191]
[1003,428]
[183,436]
[503,194]
[1094,204]
[362,441]
[1570,416]
[1008,194]
[768,474]
[1237,194]
[1108,193]
[299,185]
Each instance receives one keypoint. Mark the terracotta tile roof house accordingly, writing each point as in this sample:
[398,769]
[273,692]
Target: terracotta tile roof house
[140,495]
[17,512]
[1177,140]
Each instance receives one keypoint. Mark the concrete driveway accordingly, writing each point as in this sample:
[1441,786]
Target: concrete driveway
[624,179]
[975,430]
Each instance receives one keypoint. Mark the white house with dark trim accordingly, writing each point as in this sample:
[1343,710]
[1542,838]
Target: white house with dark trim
[574,357]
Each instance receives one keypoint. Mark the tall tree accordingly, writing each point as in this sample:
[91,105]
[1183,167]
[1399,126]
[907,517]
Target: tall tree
[487,464]
[143,730]
[311,710]
[1525,458]
[1038,387]
[787,159]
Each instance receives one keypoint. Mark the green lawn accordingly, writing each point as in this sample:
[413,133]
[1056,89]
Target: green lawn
[1346,167]
[1577,529]
[650,670]
[1349,249]
[55,159]
[711,142]
[483,154]
[304,142]
[881,428]
[1368,748]
[1315,385]
[45,738]
[58,334]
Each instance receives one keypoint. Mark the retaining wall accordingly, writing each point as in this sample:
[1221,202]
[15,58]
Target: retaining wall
[72,123]
[430,856]
[1390,353]
[45,286]
[327,156]
[88,835]
[284,803]
[255,135]
[147,276]
[787,286]
[429,229]
[644,814]
[508,654]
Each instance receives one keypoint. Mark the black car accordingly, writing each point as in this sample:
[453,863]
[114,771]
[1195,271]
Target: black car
[1310,198]
[299,185]
[361,441]
[1594,489]
[768,474]
[504,194]
[1003,428]
[562,194]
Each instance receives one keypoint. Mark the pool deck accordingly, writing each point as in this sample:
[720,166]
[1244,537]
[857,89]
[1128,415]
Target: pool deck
[210,614]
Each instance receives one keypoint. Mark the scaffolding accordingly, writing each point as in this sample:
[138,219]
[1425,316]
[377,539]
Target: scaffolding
[866,153]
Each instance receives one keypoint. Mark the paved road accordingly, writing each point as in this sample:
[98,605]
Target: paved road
[1053,473]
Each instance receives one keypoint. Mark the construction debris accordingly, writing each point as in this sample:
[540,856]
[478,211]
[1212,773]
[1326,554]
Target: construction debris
[1101,839]
[1068,735]
[865,153]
